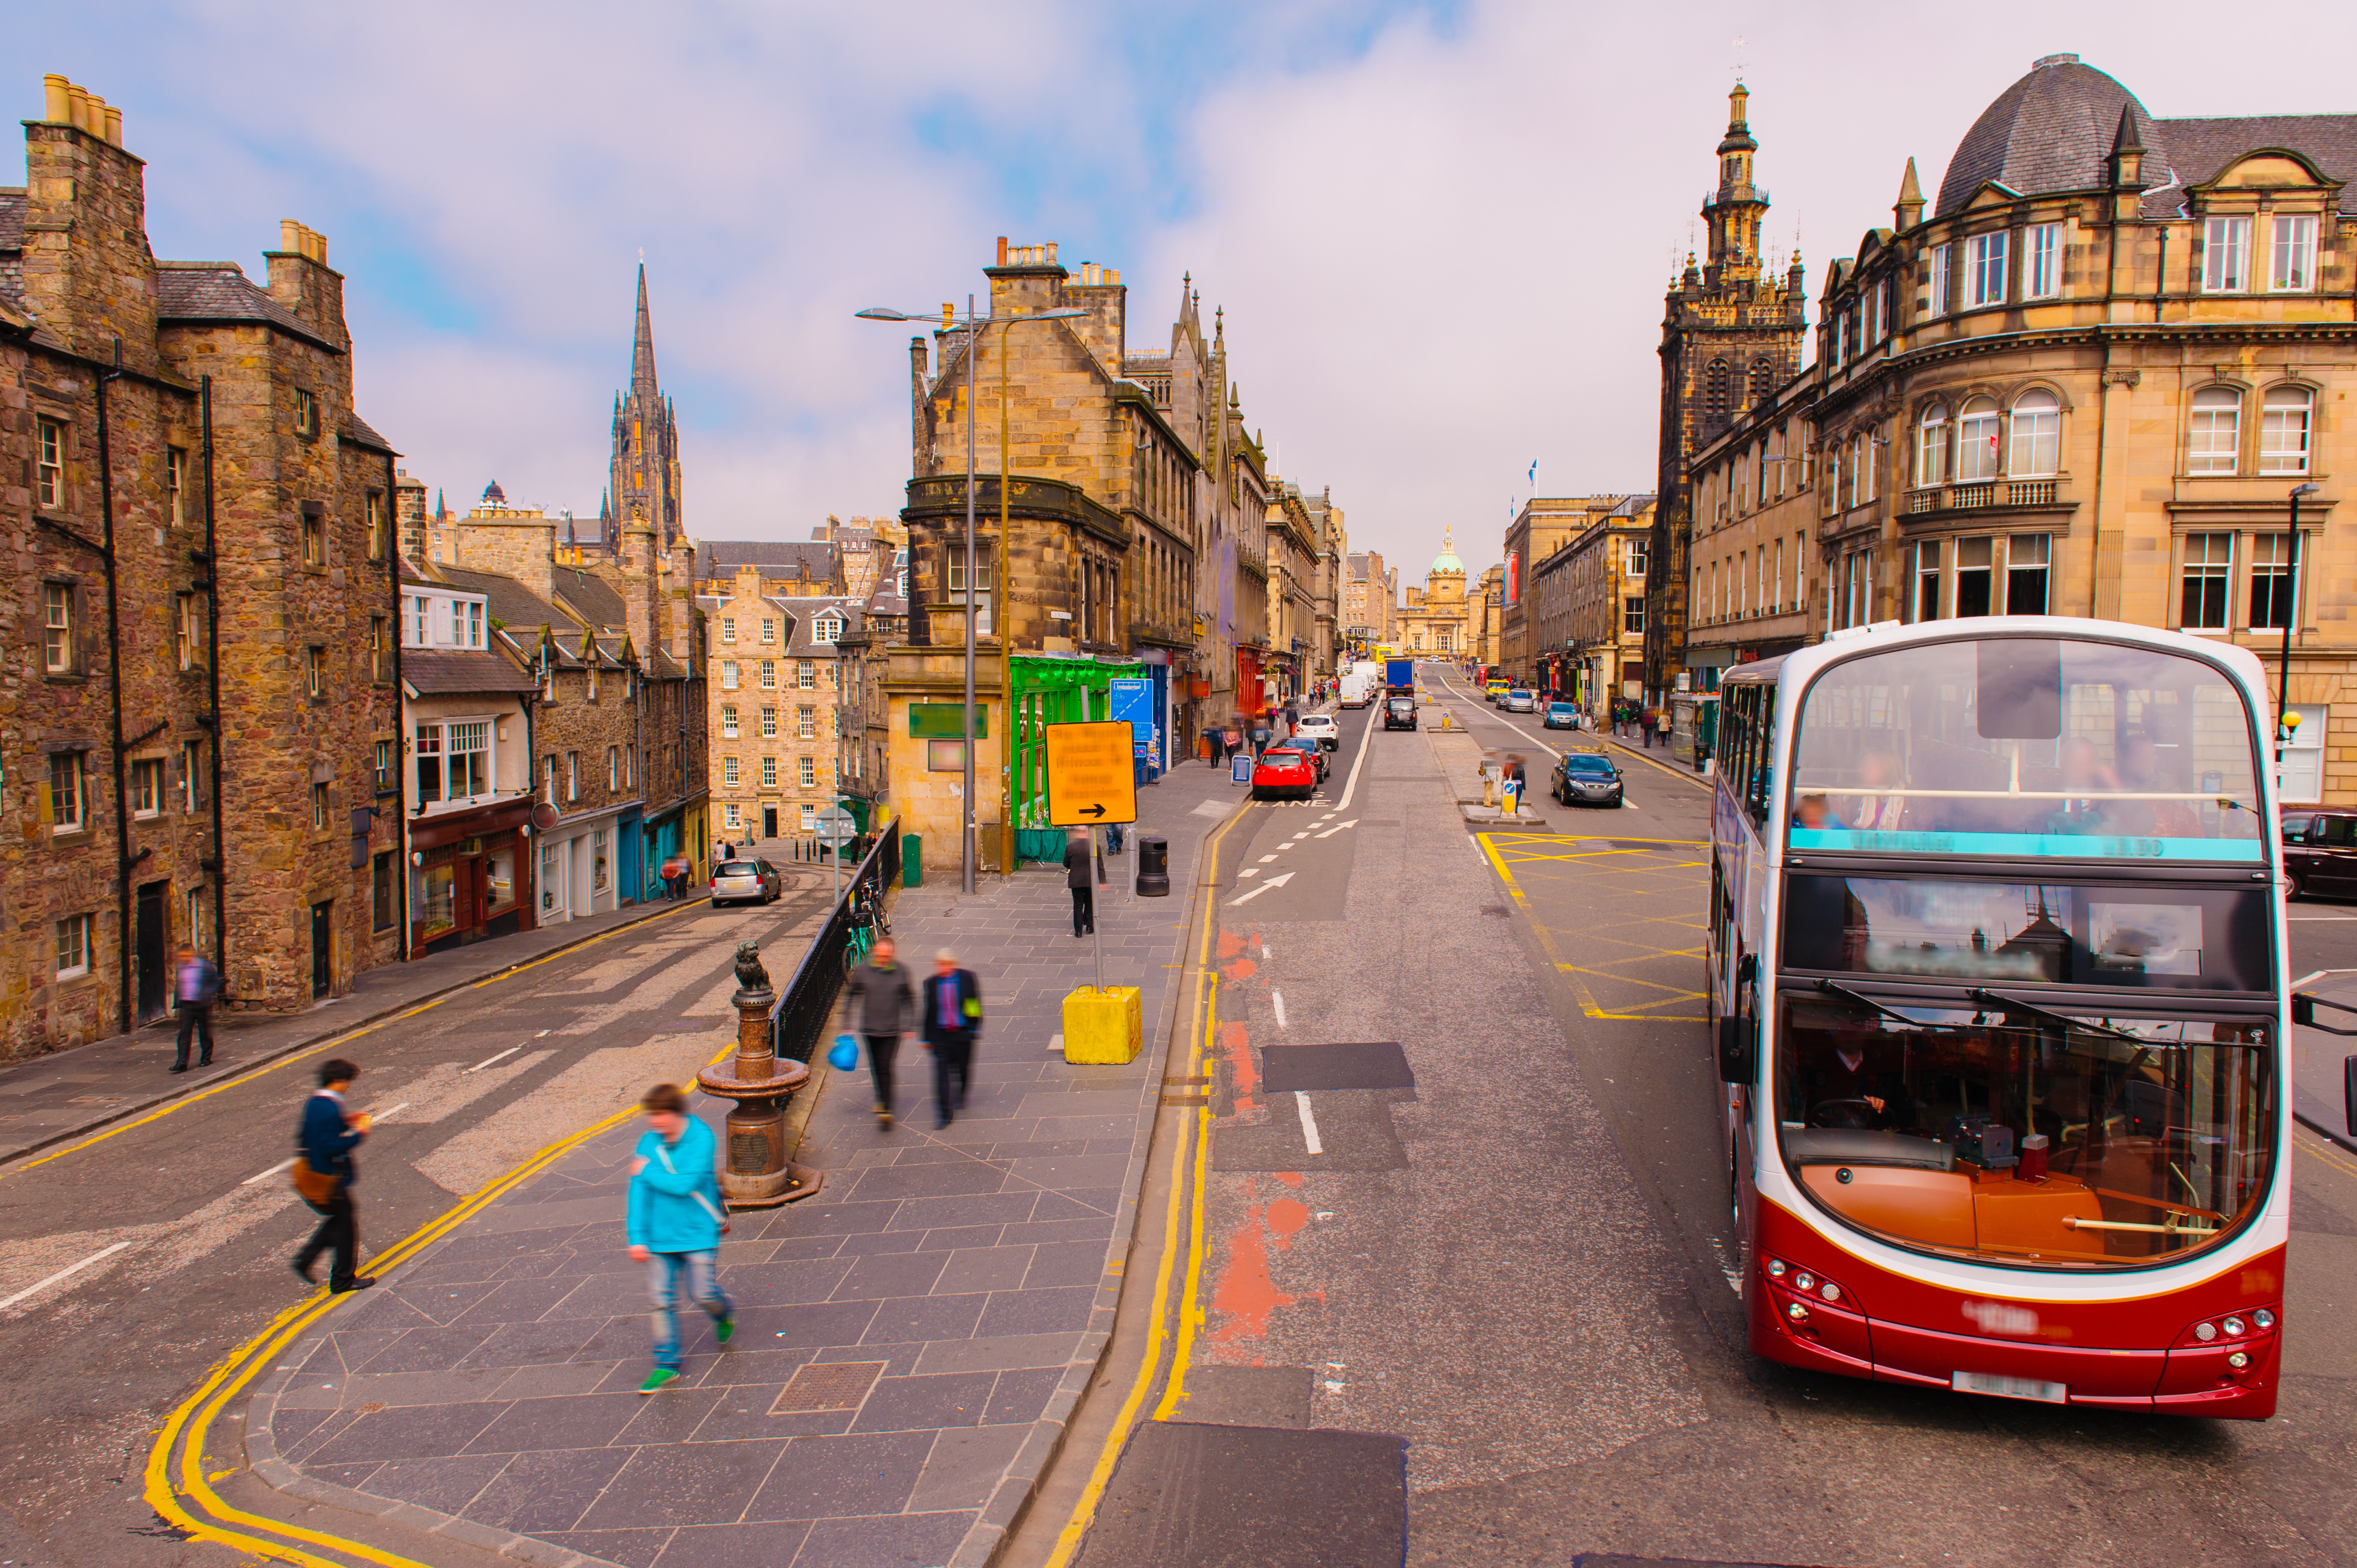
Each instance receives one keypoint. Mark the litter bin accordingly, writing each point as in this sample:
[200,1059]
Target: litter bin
[1153,866]
[912,860]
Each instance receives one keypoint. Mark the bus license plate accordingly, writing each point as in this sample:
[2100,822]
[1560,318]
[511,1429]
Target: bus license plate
[2010,1387]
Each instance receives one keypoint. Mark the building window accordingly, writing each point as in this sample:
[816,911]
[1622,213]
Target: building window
[728,629]
[2214,443]
[826,629]
[810,816]
[769,723]
[50,465]
[2037,437]
[69,806]
[2201,605]
[1931,447]
[1923,583]
[768,773]
[769,630]
[2225,255]
[380,655]
[2027,558]
[630,765]
[147,786]
[613,767]
[2042,262]
[73,946]
[307,412]
[382,767]
[599,859]
[2293,268]
[315,673]
[176,485]
[373,510]
[2283,431]
[590,654]
[573,776]
[729,721]
[1935,300]
[549,771]
[1977,442]
[187,631]
[728,674]
[728,771]
[1975,564]
[806,675]
[192,773]
[474,624]
[57,627]
[1637,548]
[1632,615]
[318,808]
[809,770]
[806,722]
[315,538]
[1985,260]
[383,909]
[2271,582]
[414,629]
[769,674]
[730,817]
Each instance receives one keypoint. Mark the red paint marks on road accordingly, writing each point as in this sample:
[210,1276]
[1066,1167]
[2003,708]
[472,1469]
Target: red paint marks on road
[1240,971]
[1290,1178]
[1231,944]
[1285,1217]
[1246,1293]
[1244,1073]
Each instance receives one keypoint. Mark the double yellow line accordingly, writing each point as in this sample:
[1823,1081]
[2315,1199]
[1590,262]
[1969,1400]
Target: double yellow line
[1187,1177]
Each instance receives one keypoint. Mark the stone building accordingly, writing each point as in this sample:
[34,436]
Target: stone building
[1293,563]
[1730,333]
[1588,608]
[1326,522]
[1490,634]
[2088,383]
[200,667]
[776,698]
[784,565]
[1543,526]
[1368,593]
[1754,566]
[1439,621]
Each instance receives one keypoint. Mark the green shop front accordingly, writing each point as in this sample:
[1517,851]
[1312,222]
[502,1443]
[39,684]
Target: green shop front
[1053,689]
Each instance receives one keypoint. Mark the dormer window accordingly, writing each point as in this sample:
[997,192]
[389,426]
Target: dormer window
[1984,259]
[2293,267]
[825,629]
[2225,255]
[2042,262]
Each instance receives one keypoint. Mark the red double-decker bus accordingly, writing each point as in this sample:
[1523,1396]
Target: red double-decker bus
[1997,981]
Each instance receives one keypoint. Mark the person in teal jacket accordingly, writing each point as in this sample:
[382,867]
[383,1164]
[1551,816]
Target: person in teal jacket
[675,1224]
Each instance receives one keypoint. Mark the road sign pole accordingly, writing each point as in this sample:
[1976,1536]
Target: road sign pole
[1097,869]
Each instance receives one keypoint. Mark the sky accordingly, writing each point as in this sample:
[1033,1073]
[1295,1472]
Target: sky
[1440,231]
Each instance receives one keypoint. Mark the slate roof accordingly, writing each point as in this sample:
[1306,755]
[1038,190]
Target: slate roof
[591,596]
[717,559]
[511,601]
[219,290]
[12,260]
[432,671]
[358,431]
[802,612]
[2198,151]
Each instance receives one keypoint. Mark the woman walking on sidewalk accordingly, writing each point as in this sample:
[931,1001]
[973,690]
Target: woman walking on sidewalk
[674,1224]
[880,990]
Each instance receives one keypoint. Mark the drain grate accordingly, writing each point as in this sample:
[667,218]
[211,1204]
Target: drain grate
[827,1385]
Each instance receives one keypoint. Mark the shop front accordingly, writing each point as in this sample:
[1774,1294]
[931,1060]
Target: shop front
[1252,700]
[470,875]
[580,870]
[1052,691]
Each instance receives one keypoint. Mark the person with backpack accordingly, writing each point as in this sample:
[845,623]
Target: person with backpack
[674,1224]
[196,986]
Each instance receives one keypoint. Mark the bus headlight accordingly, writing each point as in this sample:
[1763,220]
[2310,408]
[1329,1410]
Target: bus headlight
[1797,1313]
[2238,1360]
[1775,1268]
[2205,1332]
[2233,1325]
[1805,1282]
[2263,1318]
[1830,1291]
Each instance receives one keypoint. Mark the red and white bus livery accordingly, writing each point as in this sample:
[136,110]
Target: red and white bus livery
[1997,984]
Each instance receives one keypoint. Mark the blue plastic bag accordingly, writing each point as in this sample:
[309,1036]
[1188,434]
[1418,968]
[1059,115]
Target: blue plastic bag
[844,1054]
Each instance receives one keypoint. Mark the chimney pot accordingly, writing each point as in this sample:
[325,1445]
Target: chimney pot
[1002,250]
[115,127]
[290,234]
[56,100]
[79,117]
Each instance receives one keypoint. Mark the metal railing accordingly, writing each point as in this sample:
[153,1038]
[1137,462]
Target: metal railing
[802,1008]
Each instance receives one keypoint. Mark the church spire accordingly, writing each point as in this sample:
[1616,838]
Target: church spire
[644,480]
[642,348]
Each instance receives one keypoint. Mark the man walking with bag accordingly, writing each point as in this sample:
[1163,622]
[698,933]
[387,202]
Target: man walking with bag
[196,986]
[880,994]
[675,1223]
[324,1175]
[1079,878]
[953,1018]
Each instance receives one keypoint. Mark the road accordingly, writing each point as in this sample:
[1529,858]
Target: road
[1466,1190]
[182,1224]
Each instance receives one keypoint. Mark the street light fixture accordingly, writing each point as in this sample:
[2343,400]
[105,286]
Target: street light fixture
[974,325]
[2287,721]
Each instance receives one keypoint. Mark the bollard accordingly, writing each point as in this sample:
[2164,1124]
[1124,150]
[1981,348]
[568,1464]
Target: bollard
[756,1174]
[912,860]
[1153,866]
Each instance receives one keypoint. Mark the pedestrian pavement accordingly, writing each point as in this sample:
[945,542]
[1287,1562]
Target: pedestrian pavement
[63,1094]
[911,1341]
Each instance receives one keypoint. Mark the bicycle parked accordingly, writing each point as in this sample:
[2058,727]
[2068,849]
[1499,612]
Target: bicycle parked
[868,922]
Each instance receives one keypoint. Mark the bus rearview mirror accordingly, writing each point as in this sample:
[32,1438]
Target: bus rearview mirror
[1738,1051]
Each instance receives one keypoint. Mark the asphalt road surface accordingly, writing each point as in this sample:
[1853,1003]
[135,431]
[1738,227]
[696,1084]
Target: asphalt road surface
[184,1223]
[1466,1190]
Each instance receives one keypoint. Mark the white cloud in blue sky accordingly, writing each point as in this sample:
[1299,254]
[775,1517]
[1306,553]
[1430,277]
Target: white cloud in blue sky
[1441,232]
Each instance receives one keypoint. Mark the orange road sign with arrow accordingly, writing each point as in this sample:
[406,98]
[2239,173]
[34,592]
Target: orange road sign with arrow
[1091,779]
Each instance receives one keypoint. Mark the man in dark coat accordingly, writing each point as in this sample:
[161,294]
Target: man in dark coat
[1080,878]
[951,1018]
[878,996]
[329,1135]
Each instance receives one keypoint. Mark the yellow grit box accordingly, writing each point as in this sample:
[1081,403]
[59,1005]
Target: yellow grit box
[1103,1028]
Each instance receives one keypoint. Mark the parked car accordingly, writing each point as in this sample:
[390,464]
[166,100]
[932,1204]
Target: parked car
[2320,853]
[1519,700]
[1320,728]
[1587,778]
[1561,715]
[746,881]
[1399,712]
[1282,770]
[1310,749]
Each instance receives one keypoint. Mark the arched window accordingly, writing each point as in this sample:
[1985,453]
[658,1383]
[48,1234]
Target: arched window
[2283,431]
[2214,445]
[2037,437]
[1977,438]
[1762,378]
[1931,447]
[1715,389]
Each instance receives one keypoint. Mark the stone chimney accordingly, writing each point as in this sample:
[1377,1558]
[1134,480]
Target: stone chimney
[641,584]
[301,280]
[518,542]
[88,274]
[680,602]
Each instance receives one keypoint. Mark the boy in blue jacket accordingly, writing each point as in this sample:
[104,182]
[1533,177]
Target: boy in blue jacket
[675,1224]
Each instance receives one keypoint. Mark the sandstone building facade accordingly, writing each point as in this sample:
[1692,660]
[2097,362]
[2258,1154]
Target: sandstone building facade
[1438,621]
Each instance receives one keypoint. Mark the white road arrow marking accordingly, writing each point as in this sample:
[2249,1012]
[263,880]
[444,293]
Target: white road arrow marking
[1338,827]
[1277,881]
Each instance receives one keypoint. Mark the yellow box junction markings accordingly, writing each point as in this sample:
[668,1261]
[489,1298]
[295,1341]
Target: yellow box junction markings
[1525,848]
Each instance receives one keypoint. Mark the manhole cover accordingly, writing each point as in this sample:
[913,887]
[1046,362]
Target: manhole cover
[829,1385]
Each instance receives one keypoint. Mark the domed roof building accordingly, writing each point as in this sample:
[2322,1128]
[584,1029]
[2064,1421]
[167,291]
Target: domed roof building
[2085,381]
[1445,563]
[1439,619]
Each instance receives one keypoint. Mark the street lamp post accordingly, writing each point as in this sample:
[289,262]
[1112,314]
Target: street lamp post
[2286,722]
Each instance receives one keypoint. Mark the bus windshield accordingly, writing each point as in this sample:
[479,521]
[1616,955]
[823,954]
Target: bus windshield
[2027,746]
[2008,1131]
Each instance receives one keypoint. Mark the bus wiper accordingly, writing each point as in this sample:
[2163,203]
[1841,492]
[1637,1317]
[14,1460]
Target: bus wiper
[1982,993]
[1837,989]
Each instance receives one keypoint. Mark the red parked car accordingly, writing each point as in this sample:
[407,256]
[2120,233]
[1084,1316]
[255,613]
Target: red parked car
[1281,770]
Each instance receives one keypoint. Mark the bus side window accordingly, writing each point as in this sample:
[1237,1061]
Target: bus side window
[1763,725]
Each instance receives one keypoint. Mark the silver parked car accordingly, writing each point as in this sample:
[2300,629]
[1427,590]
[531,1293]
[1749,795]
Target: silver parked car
[1518,701]
[745,882]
